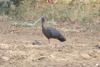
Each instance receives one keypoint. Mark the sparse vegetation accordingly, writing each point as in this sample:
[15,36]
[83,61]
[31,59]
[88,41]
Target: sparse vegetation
[82,11]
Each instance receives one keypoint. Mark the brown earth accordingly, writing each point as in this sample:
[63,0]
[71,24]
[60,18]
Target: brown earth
[81,49]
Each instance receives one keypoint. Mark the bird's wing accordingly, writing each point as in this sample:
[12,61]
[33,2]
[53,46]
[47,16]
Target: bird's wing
[53,31]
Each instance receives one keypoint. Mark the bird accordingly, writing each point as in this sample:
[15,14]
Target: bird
[50,32]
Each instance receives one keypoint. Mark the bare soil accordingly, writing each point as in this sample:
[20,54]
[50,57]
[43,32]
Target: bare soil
[81,49]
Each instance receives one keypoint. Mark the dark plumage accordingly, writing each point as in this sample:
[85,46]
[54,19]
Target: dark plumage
[51,32]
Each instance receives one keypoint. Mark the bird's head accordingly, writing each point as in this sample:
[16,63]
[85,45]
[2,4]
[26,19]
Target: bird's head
[42,19]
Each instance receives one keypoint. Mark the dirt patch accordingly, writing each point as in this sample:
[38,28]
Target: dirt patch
[17,50]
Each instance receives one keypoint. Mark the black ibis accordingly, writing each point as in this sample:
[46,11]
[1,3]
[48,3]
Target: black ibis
[50,32]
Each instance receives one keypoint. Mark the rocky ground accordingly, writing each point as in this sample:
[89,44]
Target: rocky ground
[27,47]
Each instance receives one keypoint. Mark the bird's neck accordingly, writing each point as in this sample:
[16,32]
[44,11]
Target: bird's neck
[43,25]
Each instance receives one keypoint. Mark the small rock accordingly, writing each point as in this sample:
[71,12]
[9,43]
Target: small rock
[85,55]
[36,42]
[97,64]
[5,58]
[41,58]
[98,46]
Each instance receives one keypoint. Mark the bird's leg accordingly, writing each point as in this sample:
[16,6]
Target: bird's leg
[49,41]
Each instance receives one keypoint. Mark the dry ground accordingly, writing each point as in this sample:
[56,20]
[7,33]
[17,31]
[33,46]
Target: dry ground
[81,49]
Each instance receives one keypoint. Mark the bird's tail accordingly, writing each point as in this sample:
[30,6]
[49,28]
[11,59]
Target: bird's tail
[62,39]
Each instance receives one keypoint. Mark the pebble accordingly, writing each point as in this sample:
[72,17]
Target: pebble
[98,46]
[5,58]
[36,42]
